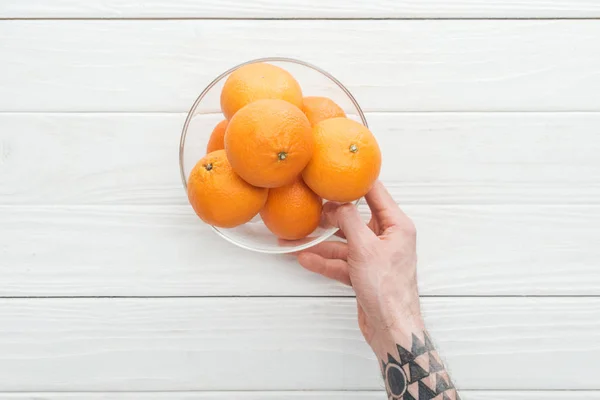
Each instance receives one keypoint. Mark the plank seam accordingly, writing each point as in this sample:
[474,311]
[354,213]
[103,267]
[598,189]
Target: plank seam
[464,206]
[293,391]
[298,18]
[333,296]
[369,112]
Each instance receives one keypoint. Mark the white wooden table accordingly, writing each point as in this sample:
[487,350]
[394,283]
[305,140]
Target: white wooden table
[488,114]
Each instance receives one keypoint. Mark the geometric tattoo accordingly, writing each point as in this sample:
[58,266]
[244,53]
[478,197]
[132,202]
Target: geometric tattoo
[417,373]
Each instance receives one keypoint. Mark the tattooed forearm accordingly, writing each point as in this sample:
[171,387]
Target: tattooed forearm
[417,373]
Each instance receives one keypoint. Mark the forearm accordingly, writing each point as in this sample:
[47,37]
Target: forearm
[412,368]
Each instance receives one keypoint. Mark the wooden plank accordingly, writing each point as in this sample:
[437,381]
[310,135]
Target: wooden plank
[422,65]
[295,9]
[167,251]
[267,344]
[90,159]
[429,158]
[304,395]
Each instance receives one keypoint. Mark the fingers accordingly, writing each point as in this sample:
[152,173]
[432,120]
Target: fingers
[347,218]
[381,203]
[323,223]
[329,268]
[337,250]
[379,199]
[384,207]
[340,234]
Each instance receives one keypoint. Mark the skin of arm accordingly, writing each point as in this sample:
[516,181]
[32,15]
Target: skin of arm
[379,261]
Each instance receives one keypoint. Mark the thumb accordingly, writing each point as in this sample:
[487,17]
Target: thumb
[347,218]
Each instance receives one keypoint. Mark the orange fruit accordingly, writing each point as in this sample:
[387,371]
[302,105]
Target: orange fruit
[219,196]
[292,211]
[318,109]
[346,160]
[269,142]
[216,141]
[255,82]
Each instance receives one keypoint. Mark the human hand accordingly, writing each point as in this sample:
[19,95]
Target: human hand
[378,261]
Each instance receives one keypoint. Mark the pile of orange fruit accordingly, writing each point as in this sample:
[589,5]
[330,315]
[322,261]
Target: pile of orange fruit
[280,154]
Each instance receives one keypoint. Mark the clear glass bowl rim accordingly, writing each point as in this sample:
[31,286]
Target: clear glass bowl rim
[282,250]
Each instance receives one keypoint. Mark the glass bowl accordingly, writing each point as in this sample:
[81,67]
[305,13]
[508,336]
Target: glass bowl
[206,113]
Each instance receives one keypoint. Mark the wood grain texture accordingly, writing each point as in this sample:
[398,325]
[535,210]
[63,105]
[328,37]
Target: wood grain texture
[288,344]
[162,65]
[303,395]
[296,9]
[428,158]
[168,251]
